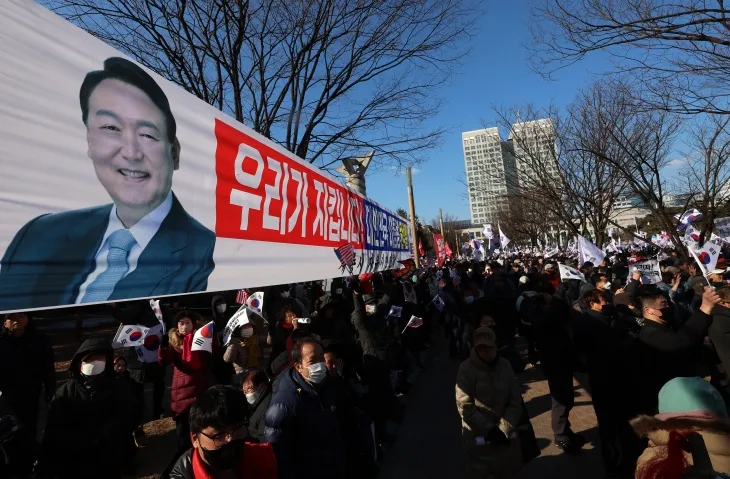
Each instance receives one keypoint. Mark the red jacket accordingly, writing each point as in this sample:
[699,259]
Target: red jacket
[256,462]
[189,379]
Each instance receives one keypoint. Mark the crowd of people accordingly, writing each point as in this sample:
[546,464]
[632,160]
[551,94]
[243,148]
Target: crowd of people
[309,388]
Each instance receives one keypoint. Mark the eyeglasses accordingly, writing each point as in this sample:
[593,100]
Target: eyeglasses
[222,438]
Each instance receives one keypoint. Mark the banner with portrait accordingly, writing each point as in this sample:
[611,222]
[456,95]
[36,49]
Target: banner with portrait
[117,184]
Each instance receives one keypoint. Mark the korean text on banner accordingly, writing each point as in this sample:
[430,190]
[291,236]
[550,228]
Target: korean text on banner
[650,272]
[216,207]
[237,320]
[439,247]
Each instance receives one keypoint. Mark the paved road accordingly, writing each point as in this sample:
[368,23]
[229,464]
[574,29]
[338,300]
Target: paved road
[429,441]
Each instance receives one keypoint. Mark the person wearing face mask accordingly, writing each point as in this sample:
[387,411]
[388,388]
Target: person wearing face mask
[89,419]
[303,419]
[136,397]
[600,346]
[257,388]
[221,312]
[222,447]
[243,350]
[489,402]
[666,350]
[192,371]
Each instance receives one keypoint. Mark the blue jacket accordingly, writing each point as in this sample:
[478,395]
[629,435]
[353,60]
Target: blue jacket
[304,427]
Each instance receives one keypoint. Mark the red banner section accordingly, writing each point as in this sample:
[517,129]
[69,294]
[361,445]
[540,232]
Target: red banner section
[264,195]
[438,245]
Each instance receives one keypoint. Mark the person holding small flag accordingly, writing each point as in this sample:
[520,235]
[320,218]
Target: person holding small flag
[192,371]
[243,349]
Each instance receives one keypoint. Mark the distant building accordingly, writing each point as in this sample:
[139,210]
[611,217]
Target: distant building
[490,169]
[535,151]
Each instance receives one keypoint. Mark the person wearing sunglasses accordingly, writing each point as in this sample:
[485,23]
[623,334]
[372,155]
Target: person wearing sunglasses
[222,447]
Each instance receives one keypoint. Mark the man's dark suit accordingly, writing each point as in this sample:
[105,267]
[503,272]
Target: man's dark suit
[51,256]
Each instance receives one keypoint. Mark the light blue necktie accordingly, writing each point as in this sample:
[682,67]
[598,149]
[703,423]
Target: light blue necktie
[120,243]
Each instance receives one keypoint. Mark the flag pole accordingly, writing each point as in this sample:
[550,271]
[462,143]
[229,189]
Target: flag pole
[412,210]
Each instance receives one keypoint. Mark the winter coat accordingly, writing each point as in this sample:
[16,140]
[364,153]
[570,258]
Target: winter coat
[664,353]
[88,422]
[488,397]
[715,434]
[189,378]
[719,333]
[244,355]
[256,424]
[364,324]
[26,366]
[302,423]
[256,462]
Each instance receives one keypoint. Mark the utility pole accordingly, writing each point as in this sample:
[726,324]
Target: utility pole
[441,221]
[412,210]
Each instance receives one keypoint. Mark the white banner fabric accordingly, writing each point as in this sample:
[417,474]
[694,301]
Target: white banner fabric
[117,184]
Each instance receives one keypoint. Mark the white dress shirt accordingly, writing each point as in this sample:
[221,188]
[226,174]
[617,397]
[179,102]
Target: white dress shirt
[143,231]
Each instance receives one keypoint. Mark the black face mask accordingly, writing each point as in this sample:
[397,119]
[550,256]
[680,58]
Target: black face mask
[667,314]
[225,457]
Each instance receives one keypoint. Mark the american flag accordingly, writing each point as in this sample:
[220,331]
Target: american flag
[241,296]
[346,255]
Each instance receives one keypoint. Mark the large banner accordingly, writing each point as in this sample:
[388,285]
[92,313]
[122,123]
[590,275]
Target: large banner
[117,184]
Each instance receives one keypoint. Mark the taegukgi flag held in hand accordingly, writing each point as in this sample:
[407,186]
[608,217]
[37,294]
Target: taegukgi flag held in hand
[566,272]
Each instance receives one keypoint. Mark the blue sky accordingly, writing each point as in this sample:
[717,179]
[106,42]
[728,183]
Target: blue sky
[496,73]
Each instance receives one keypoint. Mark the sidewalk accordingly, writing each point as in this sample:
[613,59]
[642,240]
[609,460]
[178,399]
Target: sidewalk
[429,441]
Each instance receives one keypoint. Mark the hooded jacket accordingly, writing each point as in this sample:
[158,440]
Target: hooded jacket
[715,434]
[303,426]
[88,421]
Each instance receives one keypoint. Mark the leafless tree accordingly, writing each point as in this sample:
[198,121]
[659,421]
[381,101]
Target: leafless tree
[326,79]
[707,170]
[678,51]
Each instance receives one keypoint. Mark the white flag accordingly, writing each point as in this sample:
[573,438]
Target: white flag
[147,352]
[414,322]
[650,272]
[503,240]
[203,338]
[588,252]
[488,233]
[566,272]
[706,257]
[409,293]
[255,303]
[439,303]
[129,335]
[723,227]
[395,311]
[155,305]
[238,319]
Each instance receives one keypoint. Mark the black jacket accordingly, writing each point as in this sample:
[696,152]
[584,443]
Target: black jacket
[88,420]
[256,423]
[720,334]
[26,366]
[303,425]
[365,326]
[664,353]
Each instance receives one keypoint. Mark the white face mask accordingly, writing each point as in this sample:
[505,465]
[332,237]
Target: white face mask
[285,294]
[93,368]
[253,397]
[246,332]
[606,286]
[317,372]
[221,308]
[338,291]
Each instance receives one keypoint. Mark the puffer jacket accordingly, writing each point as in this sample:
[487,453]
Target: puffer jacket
[256,422]
[88,421]
[256,462]
[243,354]
[488,397]
[302,423]
[189,378]
[715,434]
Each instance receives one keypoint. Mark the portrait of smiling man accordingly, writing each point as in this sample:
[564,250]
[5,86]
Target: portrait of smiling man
[142,244]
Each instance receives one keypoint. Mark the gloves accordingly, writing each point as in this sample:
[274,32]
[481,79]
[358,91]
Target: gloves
[164,341]
[496,436]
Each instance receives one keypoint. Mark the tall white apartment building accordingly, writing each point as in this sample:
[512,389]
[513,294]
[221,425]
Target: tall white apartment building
[535,151]
[490,169]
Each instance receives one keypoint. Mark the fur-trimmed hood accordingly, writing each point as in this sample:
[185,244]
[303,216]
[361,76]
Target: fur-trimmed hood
[644,425]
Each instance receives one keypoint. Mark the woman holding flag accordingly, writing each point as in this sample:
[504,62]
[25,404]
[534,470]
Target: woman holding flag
[192,374]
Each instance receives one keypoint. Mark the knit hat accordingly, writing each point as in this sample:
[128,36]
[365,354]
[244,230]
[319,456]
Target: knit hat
[692,398]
